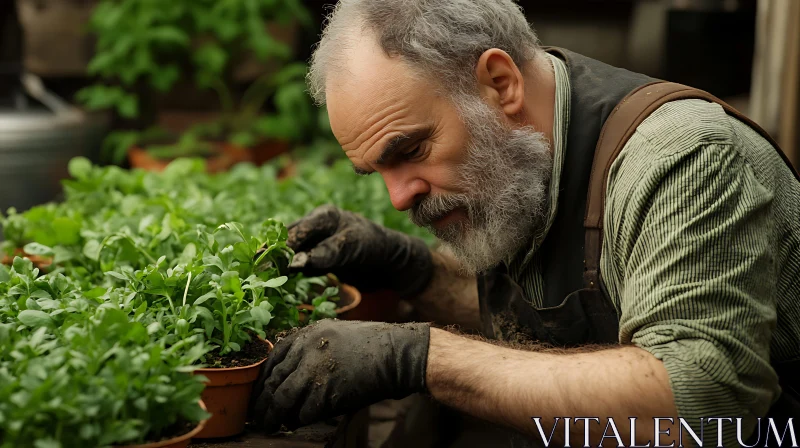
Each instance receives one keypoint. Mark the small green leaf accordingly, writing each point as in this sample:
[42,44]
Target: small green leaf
[182,325]
[276,282]
[79,167]
[128,106]
[35,318]
[117,275]
[41,294]
[92,250]
[204,298]
[95,293]
[62,255]
[47,443]
[261,315]
[38,249]
[153,328]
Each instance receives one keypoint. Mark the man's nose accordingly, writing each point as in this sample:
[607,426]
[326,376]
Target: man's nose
[404,190]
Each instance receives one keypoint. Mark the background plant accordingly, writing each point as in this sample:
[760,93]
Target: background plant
[146,46]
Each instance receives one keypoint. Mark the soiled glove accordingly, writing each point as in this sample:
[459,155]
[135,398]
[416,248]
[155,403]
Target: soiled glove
[336,367]
[359,252]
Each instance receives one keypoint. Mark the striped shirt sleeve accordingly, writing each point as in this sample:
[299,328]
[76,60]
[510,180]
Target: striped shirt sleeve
[691,261]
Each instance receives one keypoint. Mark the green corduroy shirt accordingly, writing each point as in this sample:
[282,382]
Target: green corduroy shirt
[701,254]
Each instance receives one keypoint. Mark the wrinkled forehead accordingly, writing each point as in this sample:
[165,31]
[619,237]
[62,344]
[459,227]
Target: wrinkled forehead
[367,85]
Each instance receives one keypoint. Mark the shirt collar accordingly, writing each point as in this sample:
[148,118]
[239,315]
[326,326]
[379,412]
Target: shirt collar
[561,114]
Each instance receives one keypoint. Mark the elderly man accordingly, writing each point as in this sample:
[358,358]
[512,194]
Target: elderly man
[488,140]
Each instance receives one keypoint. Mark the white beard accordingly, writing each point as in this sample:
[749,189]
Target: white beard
[505,178]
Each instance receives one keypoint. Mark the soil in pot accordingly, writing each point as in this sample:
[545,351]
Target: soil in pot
[177,436]
[228,390]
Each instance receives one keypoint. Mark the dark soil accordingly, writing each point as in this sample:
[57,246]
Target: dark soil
[253,352]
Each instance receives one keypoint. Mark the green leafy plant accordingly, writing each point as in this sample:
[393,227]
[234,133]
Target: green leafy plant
[153,275]
[82,369]
[147,46]
[244,124]
[155,43]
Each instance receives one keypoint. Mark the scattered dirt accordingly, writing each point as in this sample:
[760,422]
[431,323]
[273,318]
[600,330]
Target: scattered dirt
[251,353]
[321,373]
[285,333]
[508,329]
[525,343]
[518,341]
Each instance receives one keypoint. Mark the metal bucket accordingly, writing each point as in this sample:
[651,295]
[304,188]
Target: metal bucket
[36,144]
[35,147]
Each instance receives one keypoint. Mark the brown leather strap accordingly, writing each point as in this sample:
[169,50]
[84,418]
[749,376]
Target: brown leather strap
[617,130]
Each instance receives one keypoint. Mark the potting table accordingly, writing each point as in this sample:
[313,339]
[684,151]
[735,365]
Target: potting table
[314,436]
[342,432]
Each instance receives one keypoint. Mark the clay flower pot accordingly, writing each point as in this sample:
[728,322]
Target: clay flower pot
[264,151]
[378,306]
[227,396]
[39,262]
[349,300]
[175,442]
[226,157]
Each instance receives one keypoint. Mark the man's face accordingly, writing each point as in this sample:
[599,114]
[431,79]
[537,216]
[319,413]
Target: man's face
[459,168]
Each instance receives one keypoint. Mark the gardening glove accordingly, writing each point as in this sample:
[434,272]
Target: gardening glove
[359,252]
[336,367]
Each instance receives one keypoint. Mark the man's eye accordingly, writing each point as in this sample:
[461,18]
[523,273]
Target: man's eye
[413,153]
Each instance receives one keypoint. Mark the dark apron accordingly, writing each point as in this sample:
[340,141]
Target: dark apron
[584,316]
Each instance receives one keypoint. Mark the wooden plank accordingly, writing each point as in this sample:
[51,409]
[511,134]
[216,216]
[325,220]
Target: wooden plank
[312,436]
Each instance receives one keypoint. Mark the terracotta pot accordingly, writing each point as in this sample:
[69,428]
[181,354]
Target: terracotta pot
[263,151]
[39,262]
[349,300]
[289,170]
[227,396]
[378,306]
[175,442]
[226,157]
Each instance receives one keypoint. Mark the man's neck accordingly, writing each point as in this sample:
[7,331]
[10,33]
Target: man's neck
[540,95]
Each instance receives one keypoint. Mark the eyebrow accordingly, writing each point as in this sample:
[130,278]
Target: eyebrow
[400,142]
[396,144]
[361,172]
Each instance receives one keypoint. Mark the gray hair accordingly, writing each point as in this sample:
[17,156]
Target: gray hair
[440,39]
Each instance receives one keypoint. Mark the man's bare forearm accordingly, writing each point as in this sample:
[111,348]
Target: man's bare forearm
[509,387]
[451,298]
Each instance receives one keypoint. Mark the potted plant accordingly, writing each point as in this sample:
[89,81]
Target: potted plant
[322,297]
[78,370]
[156,149]
[145,47]
[266,135]
[232,294]
[238,308]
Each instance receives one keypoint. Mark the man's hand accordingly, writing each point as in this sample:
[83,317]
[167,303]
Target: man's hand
[359,252]
[335,367]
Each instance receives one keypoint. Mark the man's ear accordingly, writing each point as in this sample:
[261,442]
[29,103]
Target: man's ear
[500,82]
